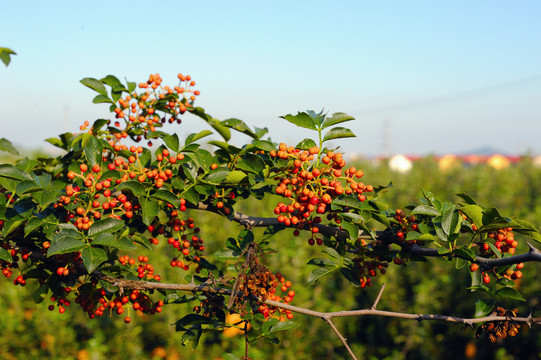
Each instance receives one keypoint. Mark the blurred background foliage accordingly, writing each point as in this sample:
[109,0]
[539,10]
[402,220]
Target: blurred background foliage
[30,331]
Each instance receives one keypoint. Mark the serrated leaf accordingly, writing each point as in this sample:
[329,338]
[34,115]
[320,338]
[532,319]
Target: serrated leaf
[264,145]
[282,326]
[167,196]
[108,225]
[5,145]
[92,258]
[336,118]
[316,274]
[5,255]
[150,209]
[302,119]
[66,241]
[98,99]
[510,293]
[235,177]
[93,151]
[95,85]
[172,142]
[136,188]
[483,307]
[306,144]
[216,176]
[226,254]
[11,172]
[465,253]
[474,213]
[352,230]
[111,80]
[425,210]
[468,199]
[321,262]
[32,225]
[194,137]
[332,253]
[338,133]
[27,186]
[251,163]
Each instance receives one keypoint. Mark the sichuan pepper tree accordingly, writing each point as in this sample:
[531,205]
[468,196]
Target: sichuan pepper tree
[73,224]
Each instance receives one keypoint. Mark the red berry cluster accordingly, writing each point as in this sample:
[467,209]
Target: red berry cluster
[312,187]
[368,268]
[504,241]
[405,225]
[141,113]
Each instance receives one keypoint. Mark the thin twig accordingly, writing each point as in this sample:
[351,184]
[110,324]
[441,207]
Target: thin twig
[378,297]
[343,339]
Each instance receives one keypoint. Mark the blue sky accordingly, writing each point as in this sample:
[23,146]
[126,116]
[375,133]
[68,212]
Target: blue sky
[438,76]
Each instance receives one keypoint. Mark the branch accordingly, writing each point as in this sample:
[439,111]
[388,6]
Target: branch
[327,316]
[334,231]
[532,255]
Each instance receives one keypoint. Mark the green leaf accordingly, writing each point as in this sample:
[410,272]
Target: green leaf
[92,258]
[425,210]
[351,229]
[11,225]
[27,186]
[111,80]
[240,126]
[49,195]
[263,145]
[226,254]
[251,163]
[468,199]
[191,196]
[332,253]
[449,219]
[474,213]
[483,307]
[172,142]
[93,151]
[5,55]
[108,225]
[5,255]
[98,99]
[106,239]
[216,176]
[335,119]
[338,133]
[167,196]
[282,326]
[465,253]
[306,144]
[321,262]
[150,210]
[510,293]
[66,241]
[316,274]
[5,145]
[194,137]
[302,119]
[31,225]
[235,177]
[11,172]
[133,186]
[95,85]
[229,356]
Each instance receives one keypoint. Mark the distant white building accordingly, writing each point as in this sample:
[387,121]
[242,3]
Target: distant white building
[400,163]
